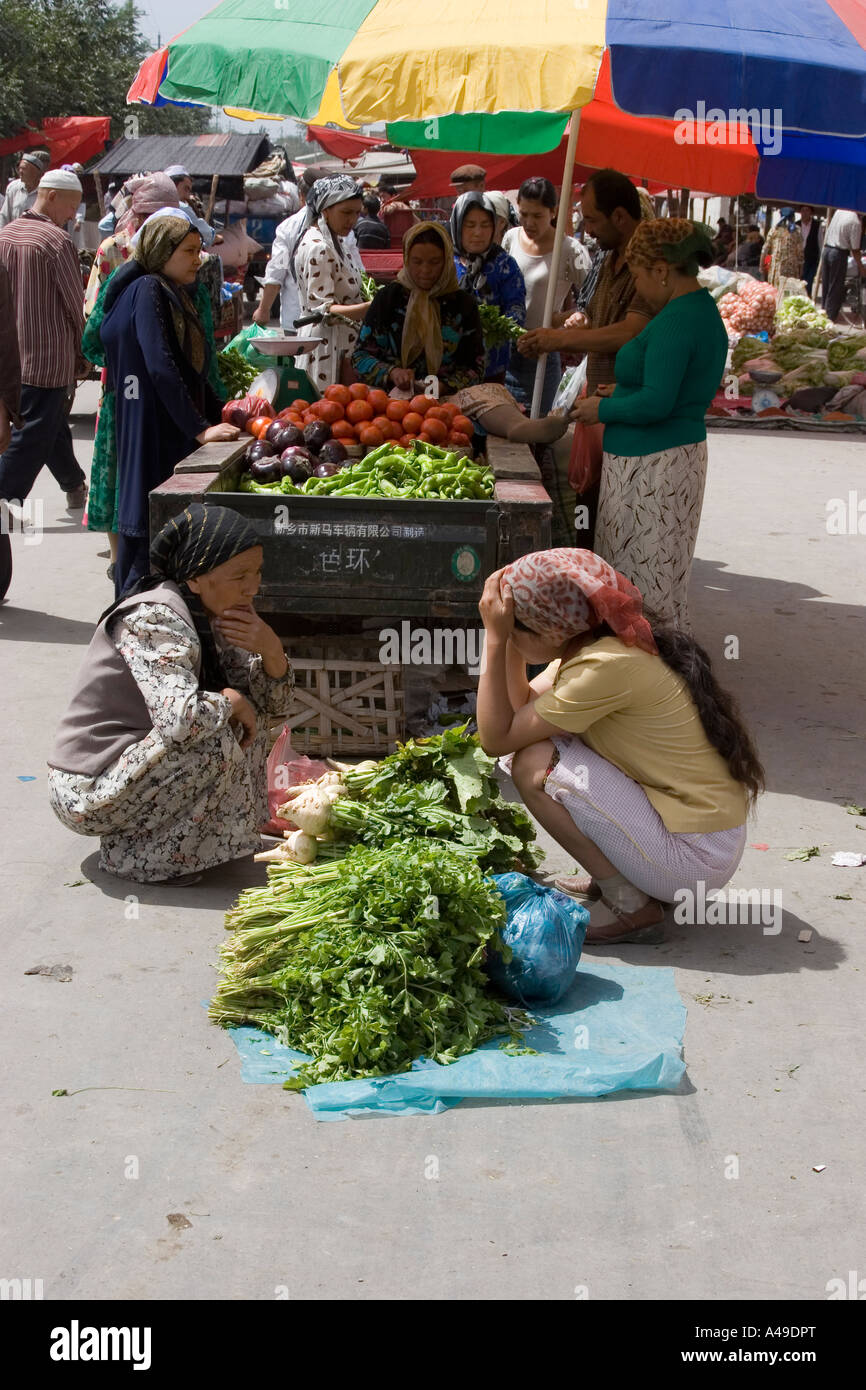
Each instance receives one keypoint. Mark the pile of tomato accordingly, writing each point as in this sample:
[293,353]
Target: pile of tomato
[361,414]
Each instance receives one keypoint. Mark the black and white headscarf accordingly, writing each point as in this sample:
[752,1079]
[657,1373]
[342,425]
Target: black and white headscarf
[475,279]
[326,193]
[193,543]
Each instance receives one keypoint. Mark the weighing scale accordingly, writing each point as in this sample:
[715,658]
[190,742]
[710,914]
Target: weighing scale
[764,397]
[284,382]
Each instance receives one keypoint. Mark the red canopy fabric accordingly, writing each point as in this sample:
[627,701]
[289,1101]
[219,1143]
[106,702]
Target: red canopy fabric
[342,144]
[145,88]
[68,139]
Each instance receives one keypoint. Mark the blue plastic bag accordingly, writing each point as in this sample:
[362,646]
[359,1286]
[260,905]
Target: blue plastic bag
[545,931]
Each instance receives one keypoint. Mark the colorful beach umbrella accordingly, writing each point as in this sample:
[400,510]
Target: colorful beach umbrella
[397,60]
[517,69]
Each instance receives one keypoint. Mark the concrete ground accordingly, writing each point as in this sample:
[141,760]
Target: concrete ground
[710,1193]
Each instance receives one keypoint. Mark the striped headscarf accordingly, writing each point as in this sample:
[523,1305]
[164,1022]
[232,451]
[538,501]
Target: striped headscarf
[562,593]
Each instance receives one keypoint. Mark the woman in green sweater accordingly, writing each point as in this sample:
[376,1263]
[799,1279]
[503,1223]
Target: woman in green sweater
[655,441]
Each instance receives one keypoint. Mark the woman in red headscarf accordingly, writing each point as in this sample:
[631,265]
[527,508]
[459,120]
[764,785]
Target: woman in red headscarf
[627,751]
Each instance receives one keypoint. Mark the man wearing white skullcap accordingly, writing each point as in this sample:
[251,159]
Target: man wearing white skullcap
[48,297]
[21,192]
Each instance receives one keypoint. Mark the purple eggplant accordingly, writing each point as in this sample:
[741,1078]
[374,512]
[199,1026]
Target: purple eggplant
[289,435]
[259,449]
[265,470]
[333,452]
[317,434]
[325,470]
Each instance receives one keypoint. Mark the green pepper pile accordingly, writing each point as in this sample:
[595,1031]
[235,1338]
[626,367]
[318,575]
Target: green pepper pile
[422,471]
[498,328]
[236,373]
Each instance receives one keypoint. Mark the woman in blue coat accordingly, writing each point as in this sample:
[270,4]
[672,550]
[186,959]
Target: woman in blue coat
[157,359]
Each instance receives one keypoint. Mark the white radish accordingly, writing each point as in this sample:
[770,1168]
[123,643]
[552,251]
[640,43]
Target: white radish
[300,847]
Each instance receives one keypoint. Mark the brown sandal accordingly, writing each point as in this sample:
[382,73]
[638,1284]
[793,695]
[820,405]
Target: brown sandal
[578,885]
[641,927]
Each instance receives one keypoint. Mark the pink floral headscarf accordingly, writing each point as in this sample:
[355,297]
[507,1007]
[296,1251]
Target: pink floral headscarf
[561,593]
[149,194]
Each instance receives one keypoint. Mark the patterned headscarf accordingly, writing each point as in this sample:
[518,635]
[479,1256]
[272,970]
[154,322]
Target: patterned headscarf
[326,193]
[475,280]
[153,245]
[150,193]
[422,327]
[191,544]
[561,593]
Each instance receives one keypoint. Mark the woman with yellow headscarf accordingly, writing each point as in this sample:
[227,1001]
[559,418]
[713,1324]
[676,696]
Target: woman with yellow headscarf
[422,325]
[157,358]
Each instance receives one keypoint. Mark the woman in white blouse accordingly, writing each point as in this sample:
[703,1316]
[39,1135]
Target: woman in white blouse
[328,270]
[531,245]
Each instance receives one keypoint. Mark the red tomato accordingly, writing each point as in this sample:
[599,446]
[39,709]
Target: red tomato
[460,441]
[341,394]
[436,429]
[413,423]
[330,412]
[359,410]
[300,405]
[406,441]
[450,409]
[342,430]
[379,400]
[258,426]
[371,437]
[388,429]
[421,404]
[463,425]
[397,410]
[438,412]
[359,391]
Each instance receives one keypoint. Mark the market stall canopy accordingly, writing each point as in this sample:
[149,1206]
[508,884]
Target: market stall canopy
[395,60]
[201,155]
[68,139]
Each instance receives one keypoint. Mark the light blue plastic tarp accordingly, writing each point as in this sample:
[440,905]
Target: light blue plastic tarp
[619,1028]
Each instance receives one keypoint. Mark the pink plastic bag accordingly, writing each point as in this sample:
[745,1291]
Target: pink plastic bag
[287,769]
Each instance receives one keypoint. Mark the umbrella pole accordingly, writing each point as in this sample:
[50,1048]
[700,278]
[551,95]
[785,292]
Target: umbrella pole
[564,212]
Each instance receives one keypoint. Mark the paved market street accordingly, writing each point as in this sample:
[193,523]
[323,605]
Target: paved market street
[630,1197]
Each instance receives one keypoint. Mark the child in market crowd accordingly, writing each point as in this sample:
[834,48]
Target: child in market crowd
[147,756]
[626,749]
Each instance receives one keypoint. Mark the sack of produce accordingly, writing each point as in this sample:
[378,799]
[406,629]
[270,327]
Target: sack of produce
[287,769]
[750,311]
[544,932]
[237,246]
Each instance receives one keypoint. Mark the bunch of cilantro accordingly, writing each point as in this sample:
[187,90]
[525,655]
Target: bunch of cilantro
[444,787]
[368,962]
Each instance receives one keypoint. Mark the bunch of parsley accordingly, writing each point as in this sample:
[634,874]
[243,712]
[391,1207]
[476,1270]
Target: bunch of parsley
[445,787]
[368,962]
